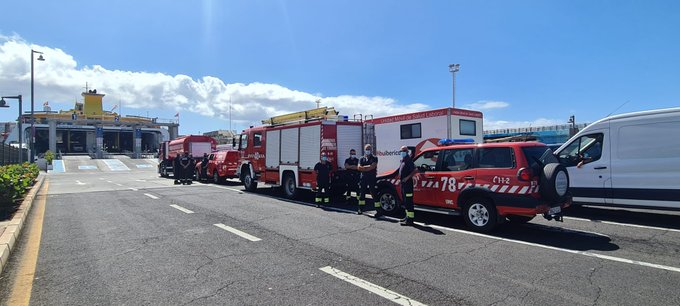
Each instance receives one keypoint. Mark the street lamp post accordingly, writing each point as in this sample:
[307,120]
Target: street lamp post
[32,142]
[21,144]
[453,68]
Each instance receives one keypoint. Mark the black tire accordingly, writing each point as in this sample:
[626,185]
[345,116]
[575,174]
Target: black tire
[249,181]
[389,201]
[517,219]
[480,215]
[216,177]
[288,186]
[554,182]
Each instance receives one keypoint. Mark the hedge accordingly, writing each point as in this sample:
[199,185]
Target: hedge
[15,180]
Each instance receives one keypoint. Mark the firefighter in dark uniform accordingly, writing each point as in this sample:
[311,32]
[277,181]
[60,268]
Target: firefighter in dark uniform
[192,169]
[176,169]
[406,172]
[323,181]
[351,176]
[368,167]
[204,167]
[184,163]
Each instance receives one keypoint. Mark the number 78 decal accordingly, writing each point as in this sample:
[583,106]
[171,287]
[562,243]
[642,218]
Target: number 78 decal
[450,183]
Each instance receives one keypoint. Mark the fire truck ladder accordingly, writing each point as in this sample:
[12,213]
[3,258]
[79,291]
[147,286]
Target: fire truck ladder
[304,116]
[369,129]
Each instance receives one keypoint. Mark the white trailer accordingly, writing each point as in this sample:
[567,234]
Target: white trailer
[422,130]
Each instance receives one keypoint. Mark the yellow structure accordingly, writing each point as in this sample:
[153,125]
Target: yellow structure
[93,103]
[317,113]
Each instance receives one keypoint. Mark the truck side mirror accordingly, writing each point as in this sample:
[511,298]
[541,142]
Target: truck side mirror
[233,143]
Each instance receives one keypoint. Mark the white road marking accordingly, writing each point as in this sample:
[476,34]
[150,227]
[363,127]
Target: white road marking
[109,182]
[151,196]
[182,209]
[584,253]
[625,224]
[140,180]
[227,188]
[237,232]
[371,287]
[80,183]
[133,189]
[120,185]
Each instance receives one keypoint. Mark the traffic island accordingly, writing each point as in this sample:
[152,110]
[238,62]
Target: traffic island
[10,231]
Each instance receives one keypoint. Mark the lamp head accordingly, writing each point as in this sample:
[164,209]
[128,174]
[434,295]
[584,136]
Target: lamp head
[454,67]
[41,58]
[3,103]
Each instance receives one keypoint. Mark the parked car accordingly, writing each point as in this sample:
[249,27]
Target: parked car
[486,183]
[628,160]
[222,165]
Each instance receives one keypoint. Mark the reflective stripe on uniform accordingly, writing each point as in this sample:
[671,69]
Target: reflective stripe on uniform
[317,200]
[409,195]
[376,204]
[410,214]
[327,200]
[362,202]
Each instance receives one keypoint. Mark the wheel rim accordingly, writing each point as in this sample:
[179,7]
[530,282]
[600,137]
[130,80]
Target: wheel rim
[216,178]
[387,201]
[478,214]
[248,180]
[290,186]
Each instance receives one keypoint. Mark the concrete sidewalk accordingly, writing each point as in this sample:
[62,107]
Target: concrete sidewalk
[10,230]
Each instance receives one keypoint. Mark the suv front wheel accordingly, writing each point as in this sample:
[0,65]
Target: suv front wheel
[480,214]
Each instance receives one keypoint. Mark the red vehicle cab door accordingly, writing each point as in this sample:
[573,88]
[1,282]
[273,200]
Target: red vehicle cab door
[455,173]
[423,182]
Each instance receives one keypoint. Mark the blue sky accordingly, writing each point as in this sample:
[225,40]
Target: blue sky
[522,62]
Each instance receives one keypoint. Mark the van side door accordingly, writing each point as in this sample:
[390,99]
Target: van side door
[588,162]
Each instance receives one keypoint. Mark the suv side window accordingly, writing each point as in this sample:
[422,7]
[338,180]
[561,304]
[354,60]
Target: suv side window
[427,161]
[456,160]
[496,158]
[587,148]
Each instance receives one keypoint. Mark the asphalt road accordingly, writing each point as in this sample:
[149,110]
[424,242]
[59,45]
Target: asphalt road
[127,238]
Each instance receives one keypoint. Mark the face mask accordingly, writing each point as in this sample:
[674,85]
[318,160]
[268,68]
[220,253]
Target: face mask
[324,158]
[368,152]
[353,156]
[403,154]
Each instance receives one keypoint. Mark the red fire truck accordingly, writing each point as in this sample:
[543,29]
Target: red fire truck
[195,145]
[285,149]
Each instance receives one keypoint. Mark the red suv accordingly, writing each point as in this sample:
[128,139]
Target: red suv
[486,183]
[221,165]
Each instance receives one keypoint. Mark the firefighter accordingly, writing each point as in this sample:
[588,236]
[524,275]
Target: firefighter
[351,176]
[368,165]
[406,172]
[323,180]
[176,170]
[204,167]
[184,163]
[192,169]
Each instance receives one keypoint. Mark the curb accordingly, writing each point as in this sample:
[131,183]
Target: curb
[12,231]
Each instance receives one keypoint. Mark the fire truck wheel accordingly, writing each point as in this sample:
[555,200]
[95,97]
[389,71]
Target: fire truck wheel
[480,214]
[249,182]
[216,178]
[164,171]
[288,186]
[554,182]
[516,219]
[388,200]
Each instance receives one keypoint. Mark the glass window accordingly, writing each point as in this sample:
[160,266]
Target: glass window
[468,127]
[496,158]
[244,142]
[427,161]
[410,131]
[257,139]
[585,149]
[457,160]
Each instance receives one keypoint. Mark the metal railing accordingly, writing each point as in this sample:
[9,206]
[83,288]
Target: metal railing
[561,127]
[10,155]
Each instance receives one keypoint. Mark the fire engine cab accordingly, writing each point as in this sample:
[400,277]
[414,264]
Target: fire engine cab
[485,183]
[284,150]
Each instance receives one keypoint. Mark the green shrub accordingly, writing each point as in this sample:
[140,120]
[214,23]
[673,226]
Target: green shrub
[15,180]
[49,156]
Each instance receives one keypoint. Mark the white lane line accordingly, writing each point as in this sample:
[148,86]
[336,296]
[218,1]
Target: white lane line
[371,287]
[182,209]
[151,196]
[133,189]
[226,188]
[237,232]
[109,182]
[120,185]
[624,224]
[584,253]
[80,183]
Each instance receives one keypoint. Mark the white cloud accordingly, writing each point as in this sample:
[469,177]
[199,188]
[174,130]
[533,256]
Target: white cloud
[487,105]
[60,79]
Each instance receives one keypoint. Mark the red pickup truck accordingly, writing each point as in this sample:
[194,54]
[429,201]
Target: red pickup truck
[221,166]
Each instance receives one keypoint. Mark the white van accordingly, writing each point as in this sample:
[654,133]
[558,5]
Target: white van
[628,160]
